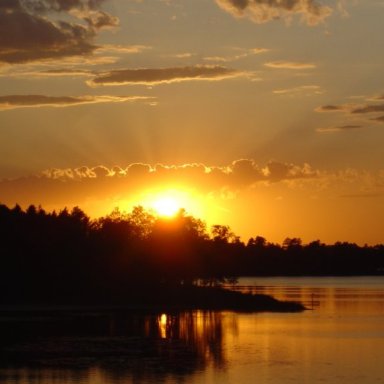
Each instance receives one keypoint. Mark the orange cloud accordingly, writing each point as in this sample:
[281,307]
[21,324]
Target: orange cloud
[71,186]
[305,90]
[33,101]
[289,65]
[339,128]
[244,53]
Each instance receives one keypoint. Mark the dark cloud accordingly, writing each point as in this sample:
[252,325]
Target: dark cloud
[262,11]
[380,119]
[330,108]
[153,76]
[29,33]
[353,109]
[368,109]
[23,101]
[40,6]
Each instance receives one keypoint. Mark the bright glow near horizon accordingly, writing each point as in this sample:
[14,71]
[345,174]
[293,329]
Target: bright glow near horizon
[168,202]
[166,206]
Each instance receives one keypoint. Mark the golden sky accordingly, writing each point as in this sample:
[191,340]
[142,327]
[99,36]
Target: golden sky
[263,115]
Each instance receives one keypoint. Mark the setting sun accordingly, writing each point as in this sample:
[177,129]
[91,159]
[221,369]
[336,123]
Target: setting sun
[166,206]
[168,202]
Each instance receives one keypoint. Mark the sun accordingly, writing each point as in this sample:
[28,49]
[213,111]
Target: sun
[166,206]
[167,202]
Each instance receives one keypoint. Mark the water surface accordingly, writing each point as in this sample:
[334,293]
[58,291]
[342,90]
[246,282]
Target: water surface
[340,340]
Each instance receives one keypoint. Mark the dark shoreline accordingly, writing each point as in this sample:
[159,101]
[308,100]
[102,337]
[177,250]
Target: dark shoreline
[158,300]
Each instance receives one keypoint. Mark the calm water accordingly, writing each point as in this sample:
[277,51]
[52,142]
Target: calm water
[340,341]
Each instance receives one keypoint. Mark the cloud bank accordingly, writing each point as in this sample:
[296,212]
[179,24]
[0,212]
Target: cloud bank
[262,11]
[242,172]
[72,186]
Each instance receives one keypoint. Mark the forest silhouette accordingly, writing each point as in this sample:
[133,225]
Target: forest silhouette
[65,257]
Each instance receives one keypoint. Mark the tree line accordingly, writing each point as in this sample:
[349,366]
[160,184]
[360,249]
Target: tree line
[66,254]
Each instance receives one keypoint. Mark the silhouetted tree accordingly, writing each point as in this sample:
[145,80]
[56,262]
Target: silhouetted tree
[67,256]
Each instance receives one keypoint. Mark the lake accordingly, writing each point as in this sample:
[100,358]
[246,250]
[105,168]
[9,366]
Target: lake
[339,340]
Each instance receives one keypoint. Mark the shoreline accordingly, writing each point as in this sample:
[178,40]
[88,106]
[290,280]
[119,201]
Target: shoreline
[164,299]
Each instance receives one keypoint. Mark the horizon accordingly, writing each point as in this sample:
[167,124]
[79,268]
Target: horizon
[168,218]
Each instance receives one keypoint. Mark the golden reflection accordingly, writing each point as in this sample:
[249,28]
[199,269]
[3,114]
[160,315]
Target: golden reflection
[201,331]
[163,326]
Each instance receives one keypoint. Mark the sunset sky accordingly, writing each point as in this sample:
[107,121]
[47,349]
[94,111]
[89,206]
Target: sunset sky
[265,115]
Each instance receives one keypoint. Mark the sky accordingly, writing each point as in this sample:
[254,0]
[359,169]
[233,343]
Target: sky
[264,115]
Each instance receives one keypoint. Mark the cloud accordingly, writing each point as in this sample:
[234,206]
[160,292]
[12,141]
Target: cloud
[290,65]
[277,171]
[98,189]
[183,55]
[352,108]
[262,11]
[240,173]
[154,76]
[379,119]
[305,90]
[242,55]
[332,108]
[72,185]
[355,110]
[368,109]
[49,29]
[27,101]
[61,72]
[338,129]
[130,49]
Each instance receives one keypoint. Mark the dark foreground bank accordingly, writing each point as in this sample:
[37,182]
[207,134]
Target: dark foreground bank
[208,298]
[161,298]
